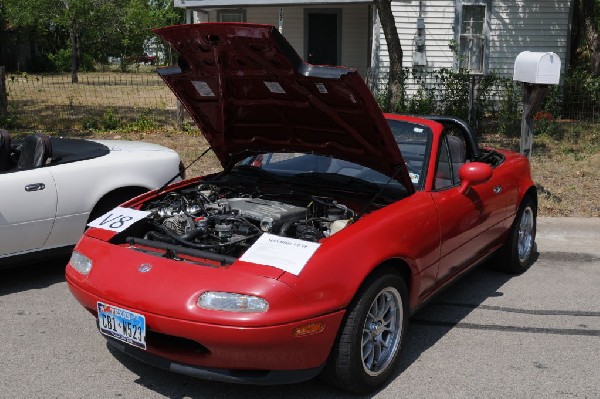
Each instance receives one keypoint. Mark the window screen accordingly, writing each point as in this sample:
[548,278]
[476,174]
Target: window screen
[472,38]
[232,15]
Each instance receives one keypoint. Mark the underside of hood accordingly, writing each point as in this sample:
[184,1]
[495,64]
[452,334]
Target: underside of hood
[250,92]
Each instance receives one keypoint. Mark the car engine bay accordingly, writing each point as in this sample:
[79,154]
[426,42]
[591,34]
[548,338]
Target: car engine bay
[227,221]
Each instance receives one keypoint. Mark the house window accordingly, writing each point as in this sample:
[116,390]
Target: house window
[238,15]
[472,38]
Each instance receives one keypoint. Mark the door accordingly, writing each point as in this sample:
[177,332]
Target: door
[470,223]
[323,41]
[27,209]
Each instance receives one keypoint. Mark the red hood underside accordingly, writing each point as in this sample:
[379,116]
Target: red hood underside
[250,92]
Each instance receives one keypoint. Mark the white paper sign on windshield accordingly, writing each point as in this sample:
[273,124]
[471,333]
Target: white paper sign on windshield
[287,254]
[118,219]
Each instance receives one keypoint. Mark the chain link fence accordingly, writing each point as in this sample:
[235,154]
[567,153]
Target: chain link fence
[98,101]
[111,100]
[489,100]
[579,100]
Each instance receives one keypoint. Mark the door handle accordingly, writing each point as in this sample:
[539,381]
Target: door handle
[35,187]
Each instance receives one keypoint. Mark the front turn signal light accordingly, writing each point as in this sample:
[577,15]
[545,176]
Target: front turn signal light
[308,329]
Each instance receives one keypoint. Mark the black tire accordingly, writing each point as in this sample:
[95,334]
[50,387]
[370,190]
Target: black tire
[518,253]
[353,364]
[114,199]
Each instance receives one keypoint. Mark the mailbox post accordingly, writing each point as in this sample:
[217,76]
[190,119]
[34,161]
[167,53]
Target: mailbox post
[537,71]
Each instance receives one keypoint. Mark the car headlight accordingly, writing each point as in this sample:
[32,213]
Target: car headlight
[230,302]
[80,262]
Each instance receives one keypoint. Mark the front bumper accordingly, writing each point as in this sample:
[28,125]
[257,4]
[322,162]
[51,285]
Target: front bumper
[257,355]
[256,377]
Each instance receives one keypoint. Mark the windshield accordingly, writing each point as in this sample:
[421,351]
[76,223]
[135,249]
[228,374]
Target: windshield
[413,140]
[414,143]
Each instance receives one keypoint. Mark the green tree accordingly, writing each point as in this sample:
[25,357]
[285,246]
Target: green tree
[131,28]
[93,28]
[72,16]
[165,14]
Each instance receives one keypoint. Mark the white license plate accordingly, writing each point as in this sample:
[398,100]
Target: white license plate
[122,324]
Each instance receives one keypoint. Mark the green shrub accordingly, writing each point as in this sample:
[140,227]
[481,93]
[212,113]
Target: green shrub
[581,95]
[110,119]
[454,92]
[510,107]
[144,122]
[498,103]
[547,127]
[90,123]
[61,61]
[8,121]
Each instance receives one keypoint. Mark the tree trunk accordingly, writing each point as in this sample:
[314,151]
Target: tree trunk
[3,96]
[180,115]
[591,14]
[394,96]
[74,35]
[576,31]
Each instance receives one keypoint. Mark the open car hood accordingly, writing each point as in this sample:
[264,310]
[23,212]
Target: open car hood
[250,92]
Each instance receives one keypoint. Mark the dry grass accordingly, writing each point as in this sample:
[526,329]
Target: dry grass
[565,166]
[566,170]
[189,145]
[53,102]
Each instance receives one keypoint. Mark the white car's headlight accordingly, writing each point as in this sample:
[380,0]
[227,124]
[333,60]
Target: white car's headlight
[80,262]
[230,302]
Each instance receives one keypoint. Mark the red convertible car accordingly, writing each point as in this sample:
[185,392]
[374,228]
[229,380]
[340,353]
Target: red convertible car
[330,224]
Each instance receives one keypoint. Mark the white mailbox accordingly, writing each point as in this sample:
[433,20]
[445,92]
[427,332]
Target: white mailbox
[537,68]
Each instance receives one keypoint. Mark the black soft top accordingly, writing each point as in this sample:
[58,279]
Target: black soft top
[65,150]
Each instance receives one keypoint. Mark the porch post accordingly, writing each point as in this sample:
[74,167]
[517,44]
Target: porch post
[374,65]
[3,96]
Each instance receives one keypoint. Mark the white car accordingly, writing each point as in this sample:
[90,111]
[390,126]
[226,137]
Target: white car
[50,188]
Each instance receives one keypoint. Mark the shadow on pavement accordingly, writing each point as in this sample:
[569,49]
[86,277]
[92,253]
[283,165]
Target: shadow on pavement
[173,385]
[446,311]
[32,276]
[426,327]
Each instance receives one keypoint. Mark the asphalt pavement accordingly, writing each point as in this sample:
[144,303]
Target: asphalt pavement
[489,335]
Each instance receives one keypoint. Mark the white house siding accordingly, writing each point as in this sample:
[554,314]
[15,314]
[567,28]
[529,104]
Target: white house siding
[356,27]
[439,21]
[356,30]
[516,26]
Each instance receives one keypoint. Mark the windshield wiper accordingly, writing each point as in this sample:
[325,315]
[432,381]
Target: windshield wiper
[379,193]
